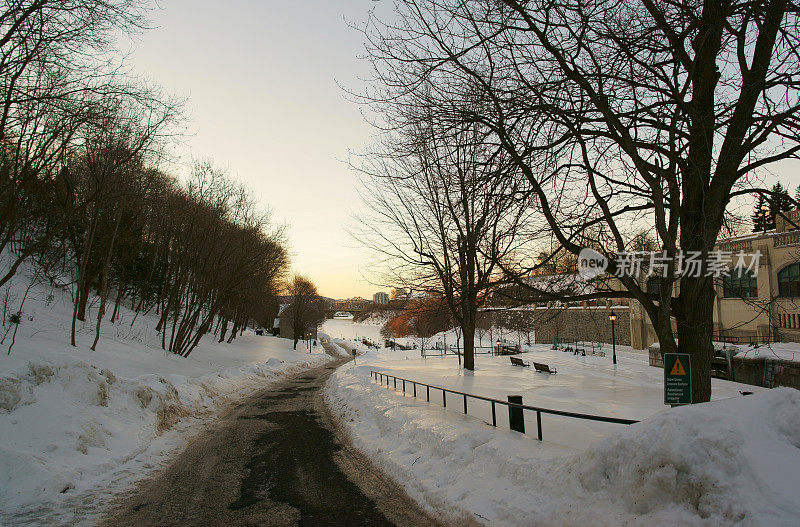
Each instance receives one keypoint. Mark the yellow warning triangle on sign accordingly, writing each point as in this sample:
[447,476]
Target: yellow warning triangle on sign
[677,369]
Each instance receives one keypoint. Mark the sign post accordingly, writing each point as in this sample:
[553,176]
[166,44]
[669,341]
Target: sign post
[677,379]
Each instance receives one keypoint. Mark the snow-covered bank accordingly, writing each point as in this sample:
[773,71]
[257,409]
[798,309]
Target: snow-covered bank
[732,461]
[334,346]
[76,425]
[347,329]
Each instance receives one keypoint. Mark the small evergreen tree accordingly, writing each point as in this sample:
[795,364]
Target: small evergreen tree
[760,215]
[779,201]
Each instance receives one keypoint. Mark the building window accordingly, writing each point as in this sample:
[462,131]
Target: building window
[789,320]
[789,280]
[736,285]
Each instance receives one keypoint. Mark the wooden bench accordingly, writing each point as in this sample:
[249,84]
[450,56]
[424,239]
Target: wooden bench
[566,345]
[507,349]
[516,361]
[595,347]
[544,368]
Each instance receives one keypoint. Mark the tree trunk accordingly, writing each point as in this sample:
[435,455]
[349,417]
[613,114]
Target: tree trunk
[101,310]
[104,281]
[458,345]
[233,332]
[80,300]
[695,332]
[83,299]
[223,331]
[115,313]
[468,329]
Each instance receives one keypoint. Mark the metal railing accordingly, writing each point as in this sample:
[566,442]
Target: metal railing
[454,351]
[743,339]
[381,377]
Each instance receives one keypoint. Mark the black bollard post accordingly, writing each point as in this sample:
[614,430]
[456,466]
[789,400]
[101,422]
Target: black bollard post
[515,417]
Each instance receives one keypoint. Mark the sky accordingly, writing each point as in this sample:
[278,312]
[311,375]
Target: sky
[263,81]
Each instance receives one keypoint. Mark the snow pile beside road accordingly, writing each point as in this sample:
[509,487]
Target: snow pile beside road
[734,461]
[332,345]
[347,346]
[76,424]
[66,422]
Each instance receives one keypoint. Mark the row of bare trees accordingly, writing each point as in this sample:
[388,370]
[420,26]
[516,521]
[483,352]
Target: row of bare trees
[609,116]
[201,255]
[82,197]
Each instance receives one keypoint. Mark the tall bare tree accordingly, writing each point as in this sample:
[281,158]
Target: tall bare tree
[617,113]
[445,212]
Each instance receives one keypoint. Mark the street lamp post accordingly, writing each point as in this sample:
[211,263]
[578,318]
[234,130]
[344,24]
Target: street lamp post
[497,349]
[612,317]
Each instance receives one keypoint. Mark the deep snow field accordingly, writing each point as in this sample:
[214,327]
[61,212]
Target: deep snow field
[76,424]
[734,461]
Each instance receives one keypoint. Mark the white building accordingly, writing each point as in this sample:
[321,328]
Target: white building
[380,298]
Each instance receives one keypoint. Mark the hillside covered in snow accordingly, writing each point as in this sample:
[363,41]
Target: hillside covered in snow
[76,424]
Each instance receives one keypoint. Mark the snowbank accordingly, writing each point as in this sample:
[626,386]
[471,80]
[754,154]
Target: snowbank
[333,345]
[733,461]
[76,424]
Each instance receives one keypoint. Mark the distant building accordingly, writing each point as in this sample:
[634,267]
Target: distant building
[276,325]
[756,304]
[401,293]
[381,298]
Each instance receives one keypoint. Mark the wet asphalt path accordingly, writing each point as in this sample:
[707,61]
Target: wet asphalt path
[277,458]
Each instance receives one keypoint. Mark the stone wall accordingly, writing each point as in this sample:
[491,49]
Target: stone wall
[571,323]
[585,324]
[749,370]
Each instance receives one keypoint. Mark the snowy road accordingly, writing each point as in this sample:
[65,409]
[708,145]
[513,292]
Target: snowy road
[275,459]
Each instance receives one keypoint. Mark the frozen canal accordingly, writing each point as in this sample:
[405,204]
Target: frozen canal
[339,328]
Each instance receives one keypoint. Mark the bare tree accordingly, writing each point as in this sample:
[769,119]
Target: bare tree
[305,310]
[50,72]
[423,317]
[445,214]
[618,114]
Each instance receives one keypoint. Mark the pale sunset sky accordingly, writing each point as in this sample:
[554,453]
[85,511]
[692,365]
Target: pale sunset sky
[263,101]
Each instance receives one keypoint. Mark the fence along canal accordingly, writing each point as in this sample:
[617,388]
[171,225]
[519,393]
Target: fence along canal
[462,397]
